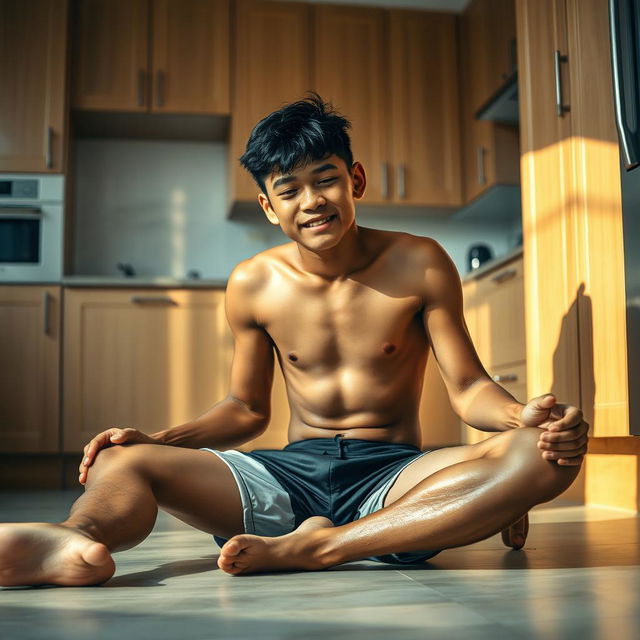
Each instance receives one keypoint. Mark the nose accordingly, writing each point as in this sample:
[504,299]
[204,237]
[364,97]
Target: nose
[312,199]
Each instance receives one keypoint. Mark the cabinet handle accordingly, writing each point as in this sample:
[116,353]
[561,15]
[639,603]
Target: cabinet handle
[402,192]
[163,300]
[140,91]
[48,156]
[507,377]
[47,307]
[504,275]
[160,88]
[561,109]
[482,178]
[384,179]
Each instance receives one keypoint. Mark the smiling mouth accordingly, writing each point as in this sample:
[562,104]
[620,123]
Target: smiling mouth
[319,223]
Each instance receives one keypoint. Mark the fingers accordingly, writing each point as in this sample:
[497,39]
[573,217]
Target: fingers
[571,419]
[102,440]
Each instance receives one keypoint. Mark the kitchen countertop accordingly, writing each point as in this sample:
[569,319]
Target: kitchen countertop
[141,282]
[505,258]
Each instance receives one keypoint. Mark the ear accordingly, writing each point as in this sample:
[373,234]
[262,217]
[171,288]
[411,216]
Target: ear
[268,209]
[359,179]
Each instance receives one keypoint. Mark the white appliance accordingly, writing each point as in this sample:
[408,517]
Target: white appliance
[31,227]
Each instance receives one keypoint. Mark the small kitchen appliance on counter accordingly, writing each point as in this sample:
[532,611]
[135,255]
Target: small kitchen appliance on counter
[477,255]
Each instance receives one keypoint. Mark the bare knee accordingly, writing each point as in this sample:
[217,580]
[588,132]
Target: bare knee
[118,459]
[546,477]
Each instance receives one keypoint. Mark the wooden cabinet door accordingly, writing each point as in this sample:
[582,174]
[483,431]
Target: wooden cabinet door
[550,253]
[351,73]
[272,66]
[490,151]
[29,375]
[33,38]
[598,213]
[190,56]
[142,358]
[110,55]
[424,123]
[502,50]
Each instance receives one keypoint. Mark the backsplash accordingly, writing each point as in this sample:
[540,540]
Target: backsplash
[161,207]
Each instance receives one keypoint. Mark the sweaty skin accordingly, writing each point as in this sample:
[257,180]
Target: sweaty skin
[352,315]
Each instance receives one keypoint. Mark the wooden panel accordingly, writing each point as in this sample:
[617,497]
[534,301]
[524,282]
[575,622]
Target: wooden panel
[440,426]
[351,72]
[550,260]
[425,129]
[501,27]
[272,66]
[149,366]
[499,303]
[191,56]
[33,98]
[490,151]
[30,357]
[110,55]
[598,210]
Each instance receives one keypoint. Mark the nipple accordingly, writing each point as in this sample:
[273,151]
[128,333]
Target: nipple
[293,357]
[387,347]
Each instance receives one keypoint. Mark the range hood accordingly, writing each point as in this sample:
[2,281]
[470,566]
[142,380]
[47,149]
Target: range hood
[502,106]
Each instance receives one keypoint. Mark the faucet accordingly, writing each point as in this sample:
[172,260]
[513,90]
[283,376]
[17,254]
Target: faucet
[127,270]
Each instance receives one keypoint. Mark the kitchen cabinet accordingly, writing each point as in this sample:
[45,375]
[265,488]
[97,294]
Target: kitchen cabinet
[272,66]
[33,37]
[30,356]
[149,359]
[424,127]
[495,318]
[409,142]
[574,263]
[160,56]
[490,150]
[370,64]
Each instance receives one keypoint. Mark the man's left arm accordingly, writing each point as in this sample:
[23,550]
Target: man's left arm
[474,396]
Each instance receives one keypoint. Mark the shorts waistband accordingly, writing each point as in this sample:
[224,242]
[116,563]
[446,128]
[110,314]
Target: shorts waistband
[341,447]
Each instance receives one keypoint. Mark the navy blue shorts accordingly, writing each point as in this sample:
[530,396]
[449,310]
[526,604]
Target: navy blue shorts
[341,479]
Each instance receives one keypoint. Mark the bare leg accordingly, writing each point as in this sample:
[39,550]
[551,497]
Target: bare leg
[118,510]
[455,506]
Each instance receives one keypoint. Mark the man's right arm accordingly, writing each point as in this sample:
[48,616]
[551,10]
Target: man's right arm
[244,414]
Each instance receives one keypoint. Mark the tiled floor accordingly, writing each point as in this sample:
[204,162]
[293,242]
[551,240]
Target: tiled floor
[577,577]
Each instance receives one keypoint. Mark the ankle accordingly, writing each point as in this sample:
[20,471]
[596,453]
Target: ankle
[83,526]
[324,550]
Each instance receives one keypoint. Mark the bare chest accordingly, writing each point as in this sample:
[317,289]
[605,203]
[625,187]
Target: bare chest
[351,324]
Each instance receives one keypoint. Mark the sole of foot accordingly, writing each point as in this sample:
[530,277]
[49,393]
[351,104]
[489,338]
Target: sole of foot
[248,553]
[34,554]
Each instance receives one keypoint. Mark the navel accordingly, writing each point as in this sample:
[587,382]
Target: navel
[293,357]
[387,347]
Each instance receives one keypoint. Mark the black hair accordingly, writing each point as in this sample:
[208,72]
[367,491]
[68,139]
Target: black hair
[296,134]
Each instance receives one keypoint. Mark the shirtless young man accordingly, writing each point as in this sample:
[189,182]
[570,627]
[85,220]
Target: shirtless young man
[351,315]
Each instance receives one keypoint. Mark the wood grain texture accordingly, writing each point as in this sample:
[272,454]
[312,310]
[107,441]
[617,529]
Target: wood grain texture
[33,100]
[29,375]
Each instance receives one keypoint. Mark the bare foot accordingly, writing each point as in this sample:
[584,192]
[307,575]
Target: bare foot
[247,553]
[515,535]
[39,553]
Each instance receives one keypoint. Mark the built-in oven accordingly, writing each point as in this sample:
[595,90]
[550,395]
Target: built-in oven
[31,227]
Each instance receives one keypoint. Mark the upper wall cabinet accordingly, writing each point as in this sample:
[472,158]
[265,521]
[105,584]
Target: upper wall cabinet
[164,56]
[393,74]
[490,151]
[33,39]
[408,143]
[272,66]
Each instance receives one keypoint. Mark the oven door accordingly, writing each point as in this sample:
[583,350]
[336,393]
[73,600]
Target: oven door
[30,242]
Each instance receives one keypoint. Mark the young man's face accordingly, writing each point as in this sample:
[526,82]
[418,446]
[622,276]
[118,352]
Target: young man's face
[315,204]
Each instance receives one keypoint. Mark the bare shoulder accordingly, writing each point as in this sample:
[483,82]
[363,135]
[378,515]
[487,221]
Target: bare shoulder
[249,279]
[420,259]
